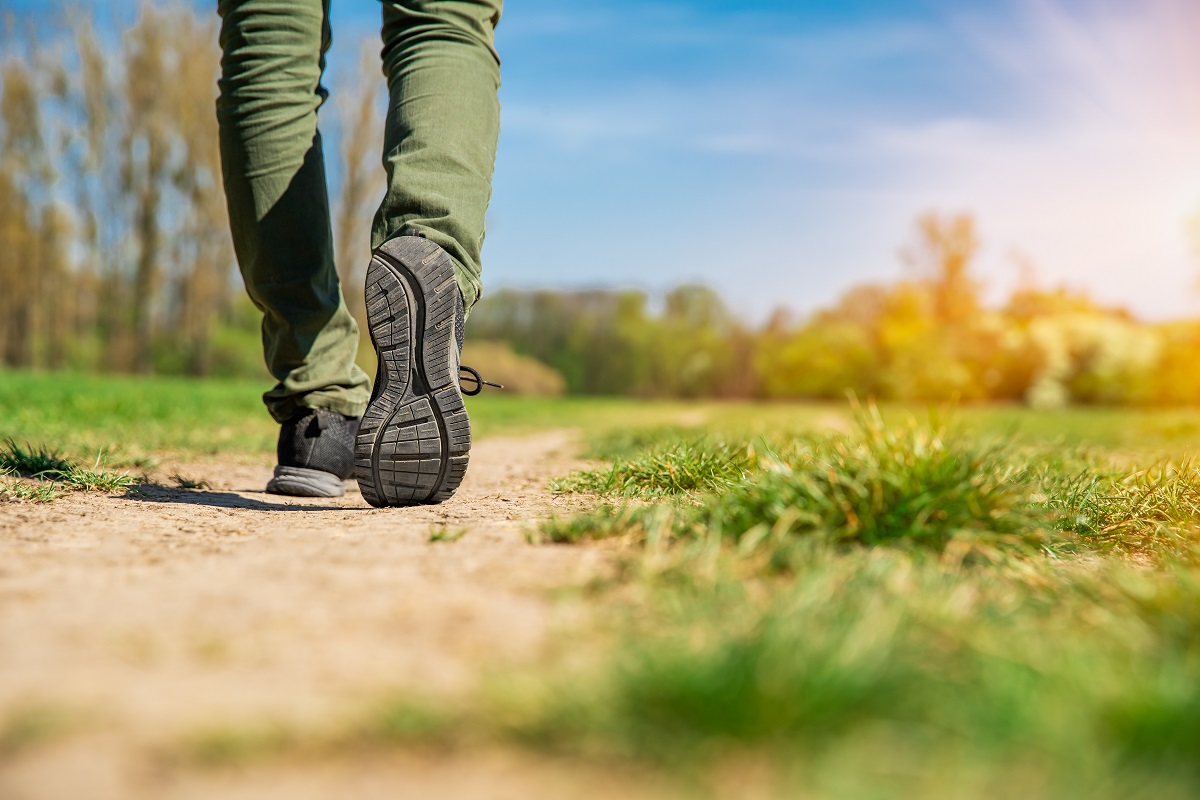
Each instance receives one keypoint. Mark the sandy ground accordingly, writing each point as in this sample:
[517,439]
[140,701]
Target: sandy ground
[144,619]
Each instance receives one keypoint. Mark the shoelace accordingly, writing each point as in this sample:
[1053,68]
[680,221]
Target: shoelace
[474,377]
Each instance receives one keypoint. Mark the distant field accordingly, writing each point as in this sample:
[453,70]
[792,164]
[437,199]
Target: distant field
[131,417]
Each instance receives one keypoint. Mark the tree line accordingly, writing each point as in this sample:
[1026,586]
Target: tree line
[928,336]
[115,251]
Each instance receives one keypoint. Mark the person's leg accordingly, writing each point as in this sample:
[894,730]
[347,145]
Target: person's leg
[442,126]
[273,54]
[439,150]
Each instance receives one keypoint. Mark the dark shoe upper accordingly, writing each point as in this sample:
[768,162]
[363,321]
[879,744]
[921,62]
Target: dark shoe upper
[319,439]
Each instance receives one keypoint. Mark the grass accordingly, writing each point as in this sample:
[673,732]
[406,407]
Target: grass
[917,485]
[692,465]
[929,676]
[53,473]
[26,492]
[854,604]
[95,479]
[138,419]
[134,418]
[863,673]
[30,461]
[900,483]
[189,483]
[1143,510]
[813,611]
[447,534]
[237,746]
[822,614]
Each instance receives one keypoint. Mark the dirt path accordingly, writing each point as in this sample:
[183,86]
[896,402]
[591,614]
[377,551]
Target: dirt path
[151,617]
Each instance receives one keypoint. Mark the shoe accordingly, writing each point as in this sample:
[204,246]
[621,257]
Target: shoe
[415,439]
[316,453]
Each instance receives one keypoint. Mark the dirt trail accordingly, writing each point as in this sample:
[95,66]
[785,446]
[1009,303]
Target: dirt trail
[151,617]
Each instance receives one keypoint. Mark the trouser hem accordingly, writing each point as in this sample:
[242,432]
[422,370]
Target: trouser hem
[283,409]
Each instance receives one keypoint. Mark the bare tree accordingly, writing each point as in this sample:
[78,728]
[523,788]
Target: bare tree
[146,161]
[23,175]
[203,253]
[94,116]
[942,257]
[362,177]
[114,237]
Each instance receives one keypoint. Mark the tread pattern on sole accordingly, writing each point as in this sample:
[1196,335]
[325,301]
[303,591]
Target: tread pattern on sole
[415,438]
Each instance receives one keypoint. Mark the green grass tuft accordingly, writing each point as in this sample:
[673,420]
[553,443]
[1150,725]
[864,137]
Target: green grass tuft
[627,443]
[919,667]
[910,484]
[916,485]
[188,483]
[24,491]
[603,522]
[447,534]
[870,670]
[681,467]
[95,480]
[30,461]
[53,473]
[1156,509]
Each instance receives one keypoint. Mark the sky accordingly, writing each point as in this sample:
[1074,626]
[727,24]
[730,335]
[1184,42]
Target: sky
[780,150]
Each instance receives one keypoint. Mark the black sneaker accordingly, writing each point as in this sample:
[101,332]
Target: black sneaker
[415,438]
[316,453]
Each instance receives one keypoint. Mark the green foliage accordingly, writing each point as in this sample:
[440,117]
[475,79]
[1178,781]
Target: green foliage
[603,522]
[31,461]
[919,485]
[860,673]
[519,375]
[131,417]
[189,483]
[447,534]
[819,361]
[696,464]
[95,479]
[1151,509]
[609,343]
[53,472]
[922,668]
[626,442]
[22,491]
[928,337]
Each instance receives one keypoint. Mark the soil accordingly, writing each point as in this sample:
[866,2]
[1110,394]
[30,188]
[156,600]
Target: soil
[137,620]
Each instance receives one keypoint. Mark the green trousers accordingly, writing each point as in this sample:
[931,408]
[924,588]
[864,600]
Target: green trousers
[443,121]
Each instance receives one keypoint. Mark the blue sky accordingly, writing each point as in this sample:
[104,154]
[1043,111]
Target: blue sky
[780,151]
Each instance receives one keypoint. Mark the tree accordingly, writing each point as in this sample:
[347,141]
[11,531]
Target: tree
[362,178]
[942,258]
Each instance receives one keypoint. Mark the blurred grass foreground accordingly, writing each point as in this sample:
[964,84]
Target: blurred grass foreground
[115,257]
[897,608]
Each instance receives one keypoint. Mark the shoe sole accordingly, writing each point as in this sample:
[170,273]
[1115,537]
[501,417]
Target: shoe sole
[304,482]
[414,440]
